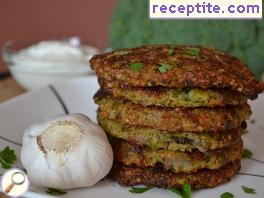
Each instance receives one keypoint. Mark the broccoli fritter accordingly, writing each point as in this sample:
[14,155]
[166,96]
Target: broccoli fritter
[175,161]
[168,97]
[170,141]
[174,119]
[159,177]
[175,67]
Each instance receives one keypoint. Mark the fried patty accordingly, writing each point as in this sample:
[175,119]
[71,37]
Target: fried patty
[174,119]
[168,97]
[170,141]
[175,161]
[189,66]
[159,177]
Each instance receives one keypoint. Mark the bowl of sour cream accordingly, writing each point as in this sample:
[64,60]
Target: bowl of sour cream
[49,61]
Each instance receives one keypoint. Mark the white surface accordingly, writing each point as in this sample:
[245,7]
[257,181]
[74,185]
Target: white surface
[17,114]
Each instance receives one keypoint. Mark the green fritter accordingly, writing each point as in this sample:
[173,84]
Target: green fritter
[168,97]
[174,119]
[159,177]
[170,141]
[175,161]
[175,67]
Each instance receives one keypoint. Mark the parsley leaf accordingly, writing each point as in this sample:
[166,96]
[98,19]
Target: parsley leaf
[187,190]
[177,192]
[227,195]
[184,193]
[139,190]
[136,66]
[248,190]
[7,157]
[247,153]
[192,51]
[164,67]
[55,192]
[170,51]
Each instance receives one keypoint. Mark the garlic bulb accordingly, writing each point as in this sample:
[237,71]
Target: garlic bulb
[66,152]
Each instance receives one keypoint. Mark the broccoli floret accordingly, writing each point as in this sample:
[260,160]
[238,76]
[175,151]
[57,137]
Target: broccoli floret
[244,39]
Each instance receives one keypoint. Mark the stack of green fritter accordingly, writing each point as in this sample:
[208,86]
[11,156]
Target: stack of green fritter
[174,114]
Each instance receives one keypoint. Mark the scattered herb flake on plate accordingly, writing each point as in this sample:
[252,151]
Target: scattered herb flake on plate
[248,190]
[139,190]
[136,66]
[227,195]
[184,193]
[177,192]
[7,158]
[55,192]
[246,153]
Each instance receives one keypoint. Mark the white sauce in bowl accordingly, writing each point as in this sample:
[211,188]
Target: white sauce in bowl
[54,55]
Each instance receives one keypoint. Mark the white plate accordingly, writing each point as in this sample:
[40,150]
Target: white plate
[77,95]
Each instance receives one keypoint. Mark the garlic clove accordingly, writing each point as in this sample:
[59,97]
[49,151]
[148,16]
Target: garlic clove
[66,152]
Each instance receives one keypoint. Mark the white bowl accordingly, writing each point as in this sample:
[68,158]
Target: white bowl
[30,80]
[48,62]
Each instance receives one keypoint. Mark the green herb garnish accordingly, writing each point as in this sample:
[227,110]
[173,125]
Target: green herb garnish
[185,192]
[7,157]
[136,66]
[177,192]
[192,51]
[139,190]
[227,195]
[55,192]
[170,51]
[247,153]
[164,67]
[248,190]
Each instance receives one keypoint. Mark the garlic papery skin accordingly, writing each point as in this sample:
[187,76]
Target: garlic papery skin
[66,152]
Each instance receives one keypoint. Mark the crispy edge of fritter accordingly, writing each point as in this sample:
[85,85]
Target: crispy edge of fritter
[174,119]
[178,141]
[169,97]
[175,161]
[212,68]
[158,177]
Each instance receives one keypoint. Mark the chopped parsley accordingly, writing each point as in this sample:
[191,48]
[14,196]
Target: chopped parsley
[247,153]
[55,192]
[7,158]
[185,192]
[177,192]
[192,51]
[139,190]
[164,67]
[227,195]
[136,66]
[248,190]
[170,51]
